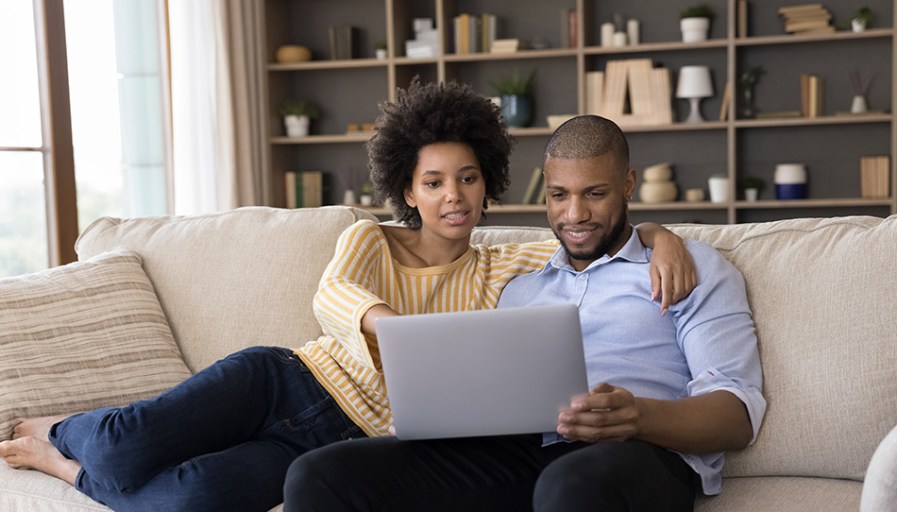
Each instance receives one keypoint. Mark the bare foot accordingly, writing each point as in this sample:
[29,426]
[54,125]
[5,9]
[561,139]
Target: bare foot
[31,453]
[38,428]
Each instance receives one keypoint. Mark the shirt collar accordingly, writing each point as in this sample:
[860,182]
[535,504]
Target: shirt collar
[633,251]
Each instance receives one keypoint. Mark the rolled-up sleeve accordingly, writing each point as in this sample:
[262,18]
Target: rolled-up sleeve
[718,337]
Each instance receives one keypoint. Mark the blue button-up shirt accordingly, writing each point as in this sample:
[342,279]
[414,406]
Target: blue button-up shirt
[705,343]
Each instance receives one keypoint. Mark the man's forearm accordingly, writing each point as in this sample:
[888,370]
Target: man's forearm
[714,422]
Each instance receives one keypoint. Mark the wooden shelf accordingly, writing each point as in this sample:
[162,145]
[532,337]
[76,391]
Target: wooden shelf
[830,145]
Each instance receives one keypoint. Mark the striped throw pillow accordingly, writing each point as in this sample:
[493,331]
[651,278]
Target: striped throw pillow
[81,336]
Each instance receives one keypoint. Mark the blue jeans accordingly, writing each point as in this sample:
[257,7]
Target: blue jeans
[221,440]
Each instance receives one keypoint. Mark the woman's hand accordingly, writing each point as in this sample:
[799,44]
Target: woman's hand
[672,268]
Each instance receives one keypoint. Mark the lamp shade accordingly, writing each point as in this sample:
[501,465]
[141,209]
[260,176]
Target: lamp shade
[694,82]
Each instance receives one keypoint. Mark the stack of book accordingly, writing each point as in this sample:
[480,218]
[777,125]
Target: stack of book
[811,95]
[474,33]
[306,189]
[874,174]
[646,87]
[806,19]
[507,45]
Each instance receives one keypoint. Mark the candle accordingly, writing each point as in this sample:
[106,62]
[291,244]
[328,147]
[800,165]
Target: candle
[607,34]
[632,30]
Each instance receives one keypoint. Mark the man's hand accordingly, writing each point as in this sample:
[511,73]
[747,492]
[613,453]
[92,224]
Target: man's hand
[715,422]
[607,412]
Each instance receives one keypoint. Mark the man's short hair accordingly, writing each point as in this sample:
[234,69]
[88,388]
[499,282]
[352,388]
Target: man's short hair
[588,136]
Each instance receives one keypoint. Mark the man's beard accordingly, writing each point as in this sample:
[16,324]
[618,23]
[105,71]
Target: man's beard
[604,244]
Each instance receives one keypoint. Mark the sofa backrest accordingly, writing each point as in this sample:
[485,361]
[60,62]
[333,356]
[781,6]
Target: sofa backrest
[824,297]
[822,292]
[233,279]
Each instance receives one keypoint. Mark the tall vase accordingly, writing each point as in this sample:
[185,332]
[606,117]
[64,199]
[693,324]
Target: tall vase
[748,110]
[517,110]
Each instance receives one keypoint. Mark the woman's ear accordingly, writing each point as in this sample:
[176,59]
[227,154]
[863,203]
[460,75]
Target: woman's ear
[409,198]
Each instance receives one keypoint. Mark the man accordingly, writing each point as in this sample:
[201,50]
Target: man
[670,392]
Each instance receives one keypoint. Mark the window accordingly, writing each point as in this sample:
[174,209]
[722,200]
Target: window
[95,122]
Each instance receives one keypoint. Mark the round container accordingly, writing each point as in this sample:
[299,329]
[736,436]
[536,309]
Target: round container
[292,53]
[658,172]
[658,192]
[791,181]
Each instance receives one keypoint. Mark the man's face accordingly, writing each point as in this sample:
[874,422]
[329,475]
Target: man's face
[588,205]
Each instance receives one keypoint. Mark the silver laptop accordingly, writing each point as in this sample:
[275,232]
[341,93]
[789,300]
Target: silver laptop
[480,373]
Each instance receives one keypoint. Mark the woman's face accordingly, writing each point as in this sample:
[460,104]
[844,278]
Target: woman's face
[447,189]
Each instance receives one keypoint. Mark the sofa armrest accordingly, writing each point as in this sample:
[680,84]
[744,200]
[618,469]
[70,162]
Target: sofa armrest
[880,486]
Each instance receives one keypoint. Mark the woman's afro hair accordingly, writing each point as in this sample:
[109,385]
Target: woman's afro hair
[429,113]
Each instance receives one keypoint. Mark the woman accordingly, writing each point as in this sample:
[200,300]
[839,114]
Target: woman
[224,438]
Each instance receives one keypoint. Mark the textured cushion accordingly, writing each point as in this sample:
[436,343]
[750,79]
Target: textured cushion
[81,336]
[822,292]
[233,279]
[776,494]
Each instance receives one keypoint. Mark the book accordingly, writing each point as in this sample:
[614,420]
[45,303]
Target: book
[342,39]
[811,95]
[594,92]
[875,177]
[532,188]
[289,188]
[727,98]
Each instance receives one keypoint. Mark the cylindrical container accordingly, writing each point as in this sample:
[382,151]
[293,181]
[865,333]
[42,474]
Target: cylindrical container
[791,181]
[619,39]
[607,34]
[632,31]
[719,189]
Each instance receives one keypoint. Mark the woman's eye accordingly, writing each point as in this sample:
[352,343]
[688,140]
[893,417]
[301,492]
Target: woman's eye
[469,179]
[431,184]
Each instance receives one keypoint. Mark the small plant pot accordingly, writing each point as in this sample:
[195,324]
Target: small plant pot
[719,189]
[858,104]
[380,53]
[296,126]
[751,194]
[517,110]
[858,25]
[694,29]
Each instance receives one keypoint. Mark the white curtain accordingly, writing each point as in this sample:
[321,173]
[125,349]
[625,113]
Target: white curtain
[216,63]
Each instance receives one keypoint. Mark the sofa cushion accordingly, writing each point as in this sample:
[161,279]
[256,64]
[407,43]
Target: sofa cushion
[80,336]
[233,279]
[822,292]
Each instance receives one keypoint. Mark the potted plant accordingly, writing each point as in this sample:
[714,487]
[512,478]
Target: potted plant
[861,19]
[380,49]
[752,187]
[297,116]
[516,98]
[695,23]
[366,194]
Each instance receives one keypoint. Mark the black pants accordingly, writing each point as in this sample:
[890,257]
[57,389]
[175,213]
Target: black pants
[508,473]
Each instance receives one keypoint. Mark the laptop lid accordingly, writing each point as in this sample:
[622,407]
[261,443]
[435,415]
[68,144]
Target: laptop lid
[480,373]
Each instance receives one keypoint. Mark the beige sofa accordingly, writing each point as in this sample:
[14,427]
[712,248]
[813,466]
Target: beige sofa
[823,292]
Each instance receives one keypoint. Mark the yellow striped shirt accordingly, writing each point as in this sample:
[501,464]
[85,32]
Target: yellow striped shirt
[363,274]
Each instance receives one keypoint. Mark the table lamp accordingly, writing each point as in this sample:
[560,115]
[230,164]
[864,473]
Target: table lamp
[694,84]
